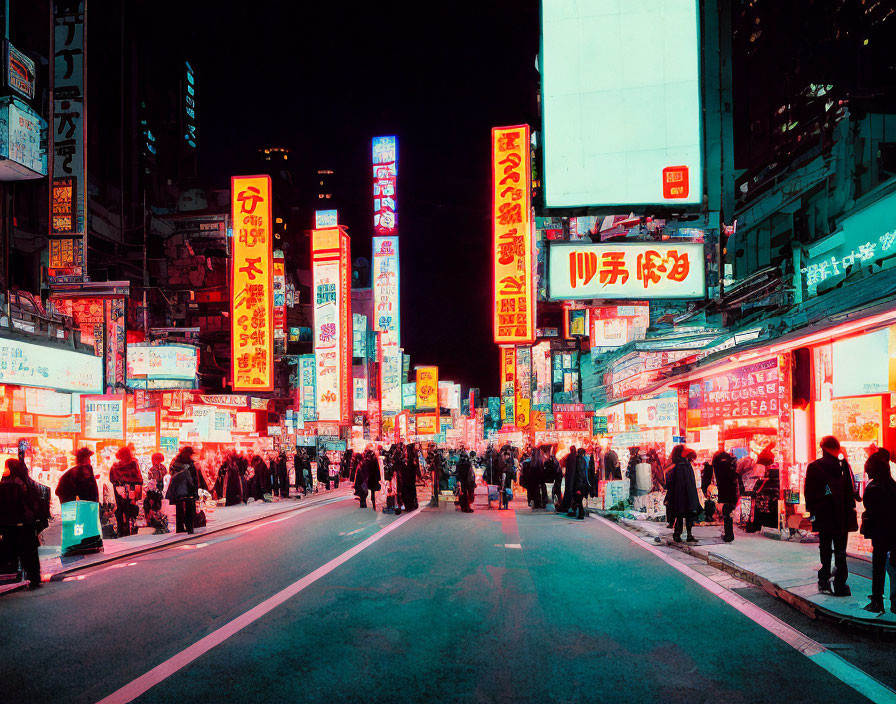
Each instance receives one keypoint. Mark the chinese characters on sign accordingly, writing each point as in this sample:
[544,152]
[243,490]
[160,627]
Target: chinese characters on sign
[863,255]
[387,320]
[385,176]
[252,321]
[745,392]
[586,271]
[104,417]
[427,388]
[279,300]
[66,260]
[508,384]
[331,269]
[511,221]
[69,187]
[308,387]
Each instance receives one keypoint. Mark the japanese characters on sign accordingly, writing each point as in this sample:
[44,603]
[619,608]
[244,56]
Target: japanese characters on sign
[104,417]
[252,320]
[325,218]
[20,75]
[615,326]
[66,263]
[279,297]
[331,271]
[642,270]
[512,245]
[24,364]
[387,320]
[385,177]
[68,204]
[22,143]
[160,362]
[745,392]
[427,389]
[308,387]
[523,385]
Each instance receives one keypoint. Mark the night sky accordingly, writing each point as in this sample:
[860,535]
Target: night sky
[323,80]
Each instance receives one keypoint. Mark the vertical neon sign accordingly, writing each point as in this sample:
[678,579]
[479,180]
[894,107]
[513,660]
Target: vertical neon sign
[385,177]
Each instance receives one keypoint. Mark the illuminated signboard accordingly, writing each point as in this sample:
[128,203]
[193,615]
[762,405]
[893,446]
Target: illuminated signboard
[104,417]
[24,364]
[20,74]
[636,270]
[279,296]
[68,204]
[427,389]
[66,263]
[360,401]
[615,326]
[308,387]
[46,402]
[359,335]
[621,127]
[387,321]
[252,320]
[23,153]
[409,395]
[160,362]
[324,219]
[512,244]
[189,105]
[523,384]
[385,177]
[331,272]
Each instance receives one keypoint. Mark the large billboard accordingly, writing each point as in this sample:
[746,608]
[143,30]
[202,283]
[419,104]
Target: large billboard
[508,385]
[514,312]
[331,279]
[252,285]
[629,270]
[68,201]
[621,125]
[25,364]
[387,321]
[427,389]
[385,178]
[308,387]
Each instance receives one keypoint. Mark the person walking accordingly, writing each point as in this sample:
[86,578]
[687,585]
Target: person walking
[127,482]
[152,501]
[407,481]
[577,483]
[323,470]
[466,483]
[723,470]
[681,493]
[879,526]
[79,481]
[374,477]
[569,477]
[283,476]
[24,513]
[831,501]
[182,491]
[299,470]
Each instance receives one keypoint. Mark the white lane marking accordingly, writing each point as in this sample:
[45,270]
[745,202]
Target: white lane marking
[515,546]
[844,671]
[147,681]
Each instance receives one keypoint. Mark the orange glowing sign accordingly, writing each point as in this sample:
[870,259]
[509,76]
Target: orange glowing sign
[251,313]
[512,245]
[428,389]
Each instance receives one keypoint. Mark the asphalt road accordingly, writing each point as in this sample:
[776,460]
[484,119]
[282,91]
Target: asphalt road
[495,606]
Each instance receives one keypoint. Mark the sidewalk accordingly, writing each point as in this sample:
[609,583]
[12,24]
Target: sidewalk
[784,569]
[54,567]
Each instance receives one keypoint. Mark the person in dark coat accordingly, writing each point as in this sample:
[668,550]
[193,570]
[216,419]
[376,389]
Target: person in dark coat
[569,475]
[79,481]
[580,486]
[182,490]
[283,476]
[723,469]
[682,501]
[233,488]
[374,477]
[407,482]
[466,483]
[533,476]
[612,467]
[831,501]
[879,526]
[24,513]
[323,470]
[299,472]
[258,475]
[592,457]
[345,465]
[125,477]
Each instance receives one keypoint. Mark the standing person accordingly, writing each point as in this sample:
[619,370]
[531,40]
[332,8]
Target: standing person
[657,475]
[374,477]
[299,469]
[681,493]
[24,513]
[592,458]
[79,481]
[127,481]
[233,490]
[723,469]
[152,503]
[345,465]
[612,468]
[466,482]
[361,479]
[182,490]
[831,500]
[283,476]
[632,467]
[580,486]
[323,470]
[879,526]
[408,482]
[569,476]
[550,474]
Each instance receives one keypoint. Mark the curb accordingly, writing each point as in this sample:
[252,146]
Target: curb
[59,574]
[809,608]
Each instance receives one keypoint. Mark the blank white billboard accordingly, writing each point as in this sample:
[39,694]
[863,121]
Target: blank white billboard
[621,102]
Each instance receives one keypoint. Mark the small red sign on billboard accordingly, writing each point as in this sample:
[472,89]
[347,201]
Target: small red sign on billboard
[675,182]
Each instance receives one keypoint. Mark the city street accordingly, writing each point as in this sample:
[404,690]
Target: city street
[507,606]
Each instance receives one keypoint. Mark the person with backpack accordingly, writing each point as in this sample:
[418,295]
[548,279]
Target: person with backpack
[127,481]
[879,526]
[24,513]
[723,469]
[182,490]
[831,500]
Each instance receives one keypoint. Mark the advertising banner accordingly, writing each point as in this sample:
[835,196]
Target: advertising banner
[409,396]
[387,321]
[331,272]
[621,128]
[46,402]
[745,392]
[68,202]
[626,270]
[104,417]
[308,387]
[512,230]
[251,314]
[359,335]
[360,387]
[279,281]
[385,181]
[615,326]
[427,389]
[25,364]
[508,384]
[160,362]
[428,424]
